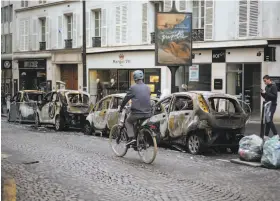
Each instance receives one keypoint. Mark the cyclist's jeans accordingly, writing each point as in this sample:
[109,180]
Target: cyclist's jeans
[131,119]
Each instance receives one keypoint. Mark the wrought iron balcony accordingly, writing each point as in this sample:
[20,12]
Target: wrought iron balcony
[96,41]
[68,43]
[153,38]
[198,34]
[42,45]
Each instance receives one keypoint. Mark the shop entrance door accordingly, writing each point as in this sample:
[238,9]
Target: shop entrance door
[69,75]
[244,81]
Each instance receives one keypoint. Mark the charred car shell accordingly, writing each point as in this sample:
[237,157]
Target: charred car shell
[63,109]
[22,106]
[105,114]
[199,119]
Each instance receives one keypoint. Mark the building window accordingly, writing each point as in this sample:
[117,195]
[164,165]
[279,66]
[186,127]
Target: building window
[24,3]
[42,1]
[198,14]
[6,46]
[144,23]
[11,13]
[97,20]
[69,19]
[121,24]
[43,30]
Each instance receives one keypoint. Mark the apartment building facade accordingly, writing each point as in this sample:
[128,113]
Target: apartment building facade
[235,43]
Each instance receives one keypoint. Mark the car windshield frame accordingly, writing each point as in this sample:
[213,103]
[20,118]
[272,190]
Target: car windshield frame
[27,94]
[81,97]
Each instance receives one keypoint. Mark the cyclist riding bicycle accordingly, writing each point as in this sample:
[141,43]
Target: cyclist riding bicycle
[139,94]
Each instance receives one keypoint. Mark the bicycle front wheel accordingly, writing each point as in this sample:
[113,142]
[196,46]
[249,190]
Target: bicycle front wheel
[118,139]
[147,146]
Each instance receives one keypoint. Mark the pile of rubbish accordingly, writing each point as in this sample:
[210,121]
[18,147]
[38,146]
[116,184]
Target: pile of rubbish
[255,149]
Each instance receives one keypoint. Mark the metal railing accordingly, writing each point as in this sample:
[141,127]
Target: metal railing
[96,41]
[42,45]
[198,34]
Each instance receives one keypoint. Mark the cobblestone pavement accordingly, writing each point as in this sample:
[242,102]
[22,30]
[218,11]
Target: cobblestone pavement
[49,165]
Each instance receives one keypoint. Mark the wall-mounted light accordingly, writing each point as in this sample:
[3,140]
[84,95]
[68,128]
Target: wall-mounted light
[193,55]
[228,52]
[259,53]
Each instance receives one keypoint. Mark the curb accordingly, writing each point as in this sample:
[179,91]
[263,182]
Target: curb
[9,189]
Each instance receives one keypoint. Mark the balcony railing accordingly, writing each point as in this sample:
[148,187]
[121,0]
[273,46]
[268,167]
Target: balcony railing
[96,41]
[42,45]
[68,43]
[198,34]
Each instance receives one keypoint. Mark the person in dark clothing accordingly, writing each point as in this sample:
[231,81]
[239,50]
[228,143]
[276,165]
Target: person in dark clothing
[139,94]
[270,94]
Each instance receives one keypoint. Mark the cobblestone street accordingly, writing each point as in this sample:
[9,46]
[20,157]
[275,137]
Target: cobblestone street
[49,165]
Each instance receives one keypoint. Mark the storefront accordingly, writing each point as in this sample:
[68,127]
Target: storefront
[113,72]
[6,77]
[239,72]
[32,73]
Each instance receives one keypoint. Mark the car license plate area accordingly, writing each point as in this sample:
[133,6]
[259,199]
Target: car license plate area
[229,122]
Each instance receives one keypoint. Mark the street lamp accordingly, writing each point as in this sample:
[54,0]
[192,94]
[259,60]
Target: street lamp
[84,56]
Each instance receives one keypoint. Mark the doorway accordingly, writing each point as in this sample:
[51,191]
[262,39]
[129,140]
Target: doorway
[244,81]
[69,75]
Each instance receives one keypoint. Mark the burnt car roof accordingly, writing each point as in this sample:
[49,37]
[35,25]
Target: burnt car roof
[71,91]
[32,91]
[209,94]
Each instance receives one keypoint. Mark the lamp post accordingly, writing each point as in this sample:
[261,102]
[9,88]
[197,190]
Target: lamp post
[84,56]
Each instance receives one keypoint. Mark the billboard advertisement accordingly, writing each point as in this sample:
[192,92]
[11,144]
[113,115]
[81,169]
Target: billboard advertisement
[173,39]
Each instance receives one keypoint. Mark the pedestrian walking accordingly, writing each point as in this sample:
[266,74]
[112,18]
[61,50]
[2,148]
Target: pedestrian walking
[270,94]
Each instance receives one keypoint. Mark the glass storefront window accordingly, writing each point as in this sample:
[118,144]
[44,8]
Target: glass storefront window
[204,78]
[119,80]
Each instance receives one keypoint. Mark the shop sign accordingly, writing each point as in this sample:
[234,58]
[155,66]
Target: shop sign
[121,60]
[218,56]
[33,64]
[173,39]
[194,73]
[7,64]
[218,84]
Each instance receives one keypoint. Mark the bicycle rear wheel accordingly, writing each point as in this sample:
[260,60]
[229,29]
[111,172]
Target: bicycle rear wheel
[118,139]
[147,146]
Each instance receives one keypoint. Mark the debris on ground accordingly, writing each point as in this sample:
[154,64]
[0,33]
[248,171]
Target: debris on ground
[271,153]
[250,148]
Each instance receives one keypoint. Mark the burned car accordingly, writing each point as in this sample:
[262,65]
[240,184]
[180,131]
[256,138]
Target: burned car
[105,114]
[198,120]
[22,106]
[63,109]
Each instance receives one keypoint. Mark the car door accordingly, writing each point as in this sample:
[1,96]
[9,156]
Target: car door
[113,114]
[181,115]
[100,115]
[160,115]
[52,108]
[13,107]
[44,108]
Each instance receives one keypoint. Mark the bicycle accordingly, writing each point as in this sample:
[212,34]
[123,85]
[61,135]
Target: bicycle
[145,139]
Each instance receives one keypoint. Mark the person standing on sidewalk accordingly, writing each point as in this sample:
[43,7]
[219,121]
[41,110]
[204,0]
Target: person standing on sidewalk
[270,94]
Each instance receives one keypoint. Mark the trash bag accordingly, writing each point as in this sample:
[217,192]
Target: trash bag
[271,153]
[250,148]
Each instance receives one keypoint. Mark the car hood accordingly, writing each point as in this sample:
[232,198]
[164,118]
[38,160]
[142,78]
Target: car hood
[79,109]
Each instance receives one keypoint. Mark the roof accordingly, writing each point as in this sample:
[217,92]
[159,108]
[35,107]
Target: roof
[206,93]
[32,91]
[70,91]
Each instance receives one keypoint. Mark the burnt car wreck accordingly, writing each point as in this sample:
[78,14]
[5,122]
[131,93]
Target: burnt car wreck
[63,109]
[196,120]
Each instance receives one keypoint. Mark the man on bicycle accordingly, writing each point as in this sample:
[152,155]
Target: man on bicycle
[139,94]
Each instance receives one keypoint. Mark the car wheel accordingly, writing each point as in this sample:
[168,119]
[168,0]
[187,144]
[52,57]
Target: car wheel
[87,129]
[59,123]
[37,120]
[194,144]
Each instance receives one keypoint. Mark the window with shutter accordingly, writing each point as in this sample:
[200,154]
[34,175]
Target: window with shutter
[104,27]
[78,29]
[26,35]
[254,17]
[59,32]
[34,34]
[118,25]
[167,5]
[48,33]
[88,29]
[74,38]
[243,17]
[248,18]
[124,24]
[209,19]
[144,23]
[198,14]
[21,37]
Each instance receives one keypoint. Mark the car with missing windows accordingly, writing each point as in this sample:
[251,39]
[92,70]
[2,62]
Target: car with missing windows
[22,106]
[197,120]
[63,108]
[105,114]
